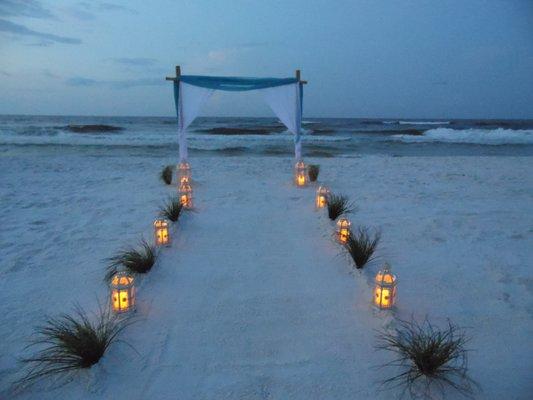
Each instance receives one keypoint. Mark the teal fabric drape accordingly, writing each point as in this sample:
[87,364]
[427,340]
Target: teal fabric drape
[234,84]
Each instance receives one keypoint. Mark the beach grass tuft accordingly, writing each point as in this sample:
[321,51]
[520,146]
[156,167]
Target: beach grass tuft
[172,209]
[361,246]
[313,171]
[430,359]
[166,174]
[136,260]
[71,342]
[338,205]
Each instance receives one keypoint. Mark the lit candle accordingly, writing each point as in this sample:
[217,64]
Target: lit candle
[299,174]
[343,230]
[161,232]
[185,194]
[321,197]
[385,289]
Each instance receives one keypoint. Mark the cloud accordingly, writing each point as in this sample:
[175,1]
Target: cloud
[250,45]
[103,7]
[88,11]
[223,55]
[115,7]
[129,83]
[27,8]
[219,55]
[49,74]
[115,84]
[135,61]
[80,81]
[21,30]
[40,43]
[79,13]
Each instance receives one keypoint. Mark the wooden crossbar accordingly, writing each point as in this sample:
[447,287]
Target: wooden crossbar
[178,74]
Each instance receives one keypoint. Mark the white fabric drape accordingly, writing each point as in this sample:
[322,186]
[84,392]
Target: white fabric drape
[285,102]
[191,99]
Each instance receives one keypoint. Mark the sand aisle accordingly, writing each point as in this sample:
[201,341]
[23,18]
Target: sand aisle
[251,301]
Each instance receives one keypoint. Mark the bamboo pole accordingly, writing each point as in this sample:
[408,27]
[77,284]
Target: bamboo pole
[177,77]
[298,77]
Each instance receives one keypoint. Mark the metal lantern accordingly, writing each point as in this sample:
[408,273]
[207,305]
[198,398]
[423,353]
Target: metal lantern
[385,290]
[300,174]
[161,232]
[122,292]
[184,173]
[185,195]
[321,199]
[343,230]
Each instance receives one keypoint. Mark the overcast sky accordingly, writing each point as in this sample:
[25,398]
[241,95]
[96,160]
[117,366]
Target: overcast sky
[376,58]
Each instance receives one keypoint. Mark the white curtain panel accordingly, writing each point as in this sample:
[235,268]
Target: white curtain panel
[285,103]
[283,100]
[190,102]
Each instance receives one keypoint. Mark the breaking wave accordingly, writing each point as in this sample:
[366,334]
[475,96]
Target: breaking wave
[416,122]
[498,136]
[243,131]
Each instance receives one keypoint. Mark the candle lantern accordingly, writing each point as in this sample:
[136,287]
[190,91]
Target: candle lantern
[321,199]
[300,174]
[385,290]
[161,232]
[343,230]
[185,194]
[122,292]
[184,173]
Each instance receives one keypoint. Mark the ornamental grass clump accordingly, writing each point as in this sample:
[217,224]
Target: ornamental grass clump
[166,174]
[71,342]
[338,205]
[136,260]
[361,246]
[172,209]
[430,359]
[313,171]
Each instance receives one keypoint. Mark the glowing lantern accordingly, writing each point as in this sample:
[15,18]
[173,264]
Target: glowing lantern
[321,199]
[161,232]
[184,173]
[343,230]
[185,194]
[385,290]
[122,292]
[300,177]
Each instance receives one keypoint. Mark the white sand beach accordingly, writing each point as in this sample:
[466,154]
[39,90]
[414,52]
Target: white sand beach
[417,117]
[254,300]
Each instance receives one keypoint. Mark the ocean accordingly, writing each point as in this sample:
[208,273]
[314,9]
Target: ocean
[323,137]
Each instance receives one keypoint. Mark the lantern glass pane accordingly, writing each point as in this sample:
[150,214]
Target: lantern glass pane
[184,173]
[385,289]
[161,232]
[122,293]
[343,230]
[185,195]
[300,178]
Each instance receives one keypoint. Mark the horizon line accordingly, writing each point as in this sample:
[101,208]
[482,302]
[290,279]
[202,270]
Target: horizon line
[270,117]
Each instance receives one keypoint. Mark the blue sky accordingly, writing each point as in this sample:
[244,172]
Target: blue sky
[425,59]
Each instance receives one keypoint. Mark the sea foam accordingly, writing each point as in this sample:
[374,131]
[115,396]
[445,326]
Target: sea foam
[471,136]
